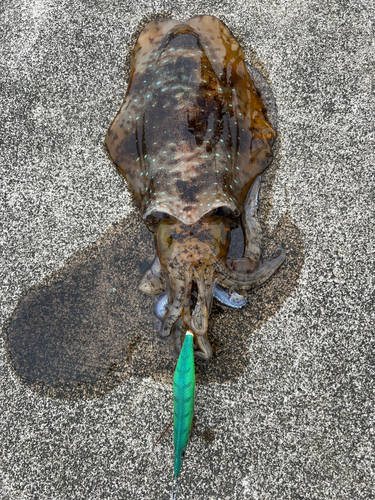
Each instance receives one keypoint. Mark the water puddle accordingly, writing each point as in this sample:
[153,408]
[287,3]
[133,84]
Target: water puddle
[87,328]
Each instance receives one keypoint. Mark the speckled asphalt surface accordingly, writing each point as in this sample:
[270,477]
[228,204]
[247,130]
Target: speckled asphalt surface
[298,423]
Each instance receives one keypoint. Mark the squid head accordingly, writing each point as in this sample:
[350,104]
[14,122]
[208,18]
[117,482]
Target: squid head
[189,257]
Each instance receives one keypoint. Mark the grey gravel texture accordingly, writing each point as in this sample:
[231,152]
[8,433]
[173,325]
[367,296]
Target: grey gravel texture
[299,422]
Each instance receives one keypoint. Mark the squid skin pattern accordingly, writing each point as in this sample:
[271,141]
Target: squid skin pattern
[183,400]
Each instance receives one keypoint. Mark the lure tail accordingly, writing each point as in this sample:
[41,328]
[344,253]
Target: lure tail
[183,400]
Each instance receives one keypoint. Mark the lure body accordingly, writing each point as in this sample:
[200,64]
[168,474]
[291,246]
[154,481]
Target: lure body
[183,400]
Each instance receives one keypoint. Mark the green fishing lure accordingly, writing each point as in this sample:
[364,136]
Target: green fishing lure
[183,401]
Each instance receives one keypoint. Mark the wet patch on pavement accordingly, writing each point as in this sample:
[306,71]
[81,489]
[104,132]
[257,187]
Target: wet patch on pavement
[208,436]
[88,328]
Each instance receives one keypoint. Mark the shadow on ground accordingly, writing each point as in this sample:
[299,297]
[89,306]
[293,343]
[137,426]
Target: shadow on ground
[87,328]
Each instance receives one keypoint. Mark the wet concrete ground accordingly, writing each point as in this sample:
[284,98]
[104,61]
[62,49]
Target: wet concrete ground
[285,409]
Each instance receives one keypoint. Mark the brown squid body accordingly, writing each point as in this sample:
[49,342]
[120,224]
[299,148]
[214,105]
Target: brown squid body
[192,139]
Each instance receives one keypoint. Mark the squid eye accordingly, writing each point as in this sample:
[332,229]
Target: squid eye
[164,236]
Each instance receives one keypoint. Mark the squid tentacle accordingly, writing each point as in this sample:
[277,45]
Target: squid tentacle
[201,308]
[186,310]
[252,232]
[153,281]
[174,310]
[248,281]
[250,223]
[204,349]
